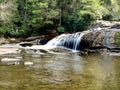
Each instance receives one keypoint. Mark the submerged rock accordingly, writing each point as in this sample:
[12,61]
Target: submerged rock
[28,63]
[114,54]
[10,60]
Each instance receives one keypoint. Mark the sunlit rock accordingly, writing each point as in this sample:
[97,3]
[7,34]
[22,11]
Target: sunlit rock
[28,63]
[10,60]
[101,39]
[18,57]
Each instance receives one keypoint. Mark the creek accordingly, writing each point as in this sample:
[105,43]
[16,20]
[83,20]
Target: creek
[59,65]
[59,71]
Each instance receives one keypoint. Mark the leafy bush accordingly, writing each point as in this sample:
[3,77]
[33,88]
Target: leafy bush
[2,31]
[78,22]
[60,29]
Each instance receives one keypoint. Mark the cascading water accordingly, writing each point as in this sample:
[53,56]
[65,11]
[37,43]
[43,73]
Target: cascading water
[68,41]
[106,40]
[65,41]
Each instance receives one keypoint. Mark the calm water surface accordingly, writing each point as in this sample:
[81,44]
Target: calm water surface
[61,71]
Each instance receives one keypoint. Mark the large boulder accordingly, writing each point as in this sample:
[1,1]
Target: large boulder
[104,38]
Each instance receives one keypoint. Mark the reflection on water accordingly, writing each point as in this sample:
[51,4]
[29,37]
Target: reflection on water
[63,71]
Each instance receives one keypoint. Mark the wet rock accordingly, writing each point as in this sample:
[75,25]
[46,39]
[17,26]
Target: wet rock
[114,54]
[10,60]
[105,37]
[100,39]
[28,63]
[24,44]
[116,26]
[18,57]
[94,51]
[59,50]
[35,37]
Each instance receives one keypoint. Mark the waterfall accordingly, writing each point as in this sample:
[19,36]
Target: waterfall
[106,39]
[67,41]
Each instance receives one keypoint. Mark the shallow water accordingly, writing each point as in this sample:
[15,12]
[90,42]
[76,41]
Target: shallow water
[60,71]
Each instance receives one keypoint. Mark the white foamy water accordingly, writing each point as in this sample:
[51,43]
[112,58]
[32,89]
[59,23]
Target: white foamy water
[65,41]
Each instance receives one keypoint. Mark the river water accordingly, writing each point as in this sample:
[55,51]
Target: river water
[60,71]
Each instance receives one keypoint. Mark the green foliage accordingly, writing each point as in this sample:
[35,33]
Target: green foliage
[5,30]
[42,13]
[112,8]
[35,17]
[60,29]
[2,31]
[1,1]
[79,22]
[21,33]
[108,17]
[8,10]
